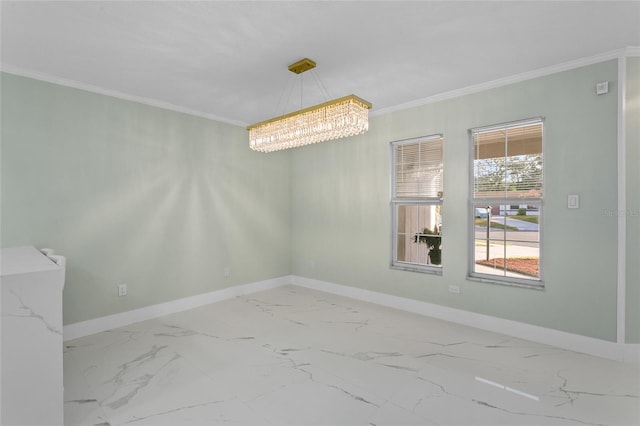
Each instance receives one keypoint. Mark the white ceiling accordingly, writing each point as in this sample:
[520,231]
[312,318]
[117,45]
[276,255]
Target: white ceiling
[228,60]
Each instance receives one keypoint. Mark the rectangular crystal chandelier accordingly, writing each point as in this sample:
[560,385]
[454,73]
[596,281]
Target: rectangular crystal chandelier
[339,118]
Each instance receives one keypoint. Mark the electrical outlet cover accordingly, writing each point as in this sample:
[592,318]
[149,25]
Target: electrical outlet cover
[573,201]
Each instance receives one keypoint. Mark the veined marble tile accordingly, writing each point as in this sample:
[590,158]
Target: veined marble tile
[294,356]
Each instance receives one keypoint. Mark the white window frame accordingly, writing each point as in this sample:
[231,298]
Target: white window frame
[396,202]
[533,282]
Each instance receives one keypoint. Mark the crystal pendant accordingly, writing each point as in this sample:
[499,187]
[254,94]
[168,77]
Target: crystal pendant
[348,116]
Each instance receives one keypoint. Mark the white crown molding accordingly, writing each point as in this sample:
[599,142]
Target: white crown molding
[530,75]
[629,353]
[627,51]
[36,75]
[631,51]
[123,319]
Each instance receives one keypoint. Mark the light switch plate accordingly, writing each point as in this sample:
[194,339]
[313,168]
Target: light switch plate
[573,201]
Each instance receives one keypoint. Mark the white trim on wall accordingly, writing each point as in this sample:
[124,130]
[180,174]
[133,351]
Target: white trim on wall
[622,204]
[35,75]
[109,322]
[629,353]
[565,66]
[601,348]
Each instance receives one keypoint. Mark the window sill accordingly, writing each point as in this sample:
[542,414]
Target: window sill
[431,270]
[488,279]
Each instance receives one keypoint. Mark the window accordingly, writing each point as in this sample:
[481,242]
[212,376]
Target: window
[416,202]
[506,202]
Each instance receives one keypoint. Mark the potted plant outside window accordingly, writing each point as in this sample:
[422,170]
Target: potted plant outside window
[433,240]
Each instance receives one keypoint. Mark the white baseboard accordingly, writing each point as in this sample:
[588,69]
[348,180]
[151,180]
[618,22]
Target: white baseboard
[629,353]
[97,325]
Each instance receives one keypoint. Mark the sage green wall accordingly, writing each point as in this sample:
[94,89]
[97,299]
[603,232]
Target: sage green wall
[632,139]
[163,201]
[341,213]
[133,194]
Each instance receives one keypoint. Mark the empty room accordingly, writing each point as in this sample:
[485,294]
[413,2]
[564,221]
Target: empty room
[320,213]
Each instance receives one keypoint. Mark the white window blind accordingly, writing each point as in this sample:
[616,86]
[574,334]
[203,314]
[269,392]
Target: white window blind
[508,162]
[418,169]
[416,204]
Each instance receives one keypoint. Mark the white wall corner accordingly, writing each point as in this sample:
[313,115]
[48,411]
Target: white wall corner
[621,289]
[560,339]
[97,325]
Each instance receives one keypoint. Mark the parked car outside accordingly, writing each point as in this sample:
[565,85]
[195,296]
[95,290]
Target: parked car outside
[481,213]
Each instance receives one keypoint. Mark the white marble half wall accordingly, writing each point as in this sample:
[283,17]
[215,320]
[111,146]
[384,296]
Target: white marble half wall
[31,337]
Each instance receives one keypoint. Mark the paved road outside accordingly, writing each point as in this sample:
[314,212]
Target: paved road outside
[522,225]
[523,238]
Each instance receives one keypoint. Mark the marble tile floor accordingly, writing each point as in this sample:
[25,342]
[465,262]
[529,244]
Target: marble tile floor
[294,356]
